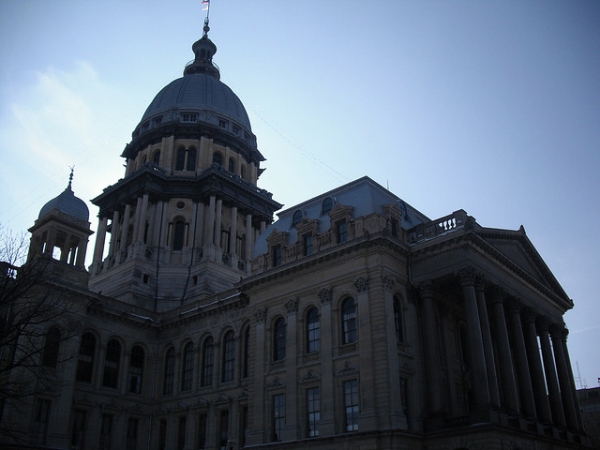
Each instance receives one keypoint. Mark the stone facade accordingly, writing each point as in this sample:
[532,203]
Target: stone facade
[352,321]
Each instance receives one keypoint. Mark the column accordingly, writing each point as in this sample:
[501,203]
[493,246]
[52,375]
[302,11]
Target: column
[556,406]
[257,430]
[488,348]
[521,363]
[510,399]
[141,223]
[136,221]
[535,367]
[100,240]
[233,231]
[433,378]
[125,227]
[249,242]
[481,391]
[327,426]
[572,380]
[291,363]
[81,248]
[218,220]
[556,332]
[367,418]
[65,249]
[114,233]
[210,222]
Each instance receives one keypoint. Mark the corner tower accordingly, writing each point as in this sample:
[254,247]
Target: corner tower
[181,223]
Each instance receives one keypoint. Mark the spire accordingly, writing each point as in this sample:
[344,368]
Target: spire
[204,49]
[70,179]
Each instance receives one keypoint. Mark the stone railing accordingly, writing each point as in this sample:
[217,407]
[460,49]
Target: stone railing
[437,227]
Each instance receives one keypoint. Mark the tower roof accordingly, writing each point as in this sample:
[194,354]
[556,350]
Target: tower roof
[67,203]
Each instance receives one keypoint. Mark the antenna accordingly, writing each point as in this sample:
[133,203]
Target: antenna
[582,383]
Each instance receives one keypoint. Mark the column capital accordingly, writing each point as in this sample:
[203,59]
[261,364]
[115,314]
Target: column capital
[496,294]
[362,284]
[542,323]
[388,281]
[529,314]
[513,305]
[426,288]
[467,276]
[260,315]
[559,331]
[325,294]
[291,305]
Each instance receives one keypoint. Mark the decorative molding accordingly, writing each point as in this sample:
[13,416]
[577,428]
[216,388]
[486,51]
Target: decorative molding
[347,369]
[274,384]
[309,376]
[222,399]
[468,276]
[362,284]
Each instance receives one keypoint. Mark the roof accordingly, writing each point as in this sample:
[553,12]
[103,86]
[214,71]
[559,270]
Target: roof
[364,195]
[67,203]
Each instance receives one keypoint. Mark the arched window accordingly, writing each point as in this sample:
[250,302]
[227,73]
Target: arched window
[231,166]
[180,163]
[156,157]
[246,355]
[398,320]
[208,361]
[112,361]
[313,331]
[169,375]
[187,368]
[243,172]
[217,159]
[136,369]
[191,160]
[228,357]
[178,234]
[279,340]
[85,363]
[349,330]
[51,348]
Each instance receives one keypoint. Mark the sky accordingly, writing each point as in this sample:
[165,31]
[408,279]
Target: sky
[492,107]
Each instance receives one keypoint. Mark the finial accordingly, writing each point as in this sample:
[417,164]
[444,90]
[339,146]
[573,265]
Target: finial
[206,7]
[206,28]
[71,177]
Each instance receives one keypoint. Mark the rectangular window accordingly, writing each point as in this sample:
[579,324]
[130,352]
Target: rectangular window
[276,253]
[132,434]
[313,411]
[201,430]
[223,430]
[278,418]
[351,405]
[342,231]
[308,244]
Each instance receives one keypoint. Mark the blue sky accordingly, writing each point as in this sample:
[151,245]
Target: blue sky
[492,107]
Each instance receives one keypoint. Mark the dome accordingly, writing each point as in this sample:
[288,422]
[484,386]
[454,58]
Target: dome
[67,203]
[197,93]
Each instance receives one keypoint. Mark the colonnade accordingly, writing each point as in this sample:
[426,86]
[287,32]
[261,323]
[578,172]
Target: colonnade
[152,226]
[508,370]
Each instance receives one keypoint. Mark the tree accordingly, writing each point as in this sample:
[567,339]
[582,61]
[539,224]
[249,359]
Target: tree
[35,319]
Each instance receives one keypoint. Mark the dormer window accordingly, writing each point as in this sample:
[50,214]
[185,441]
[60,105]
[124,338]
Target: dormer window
[223,123]
[189,117]
[342,231]
[307,242]
[327,205]
[276,255]
[297,217]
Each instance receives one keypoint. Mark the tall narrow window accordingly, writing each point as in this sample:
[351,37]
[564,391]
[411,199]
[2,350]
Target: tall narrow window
[191,160]
[313,411]
[278,417]
[231,166]
[308,244]
[208,361]
[169,373]
[112,362]
[246,356]
[85,363]
[201,430]
[187,369]
[228,357]
[156,157]
[181,433]
[349,333]
[279,340]
[51,347]
[223,436]
[313,331]
[132,434]
[40,425]
[276,255]
[398,322]
[351,405]
[136,369]
[78,429]
[217,159]
[180,163]
[178,235]
[106,431]
[342,231]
